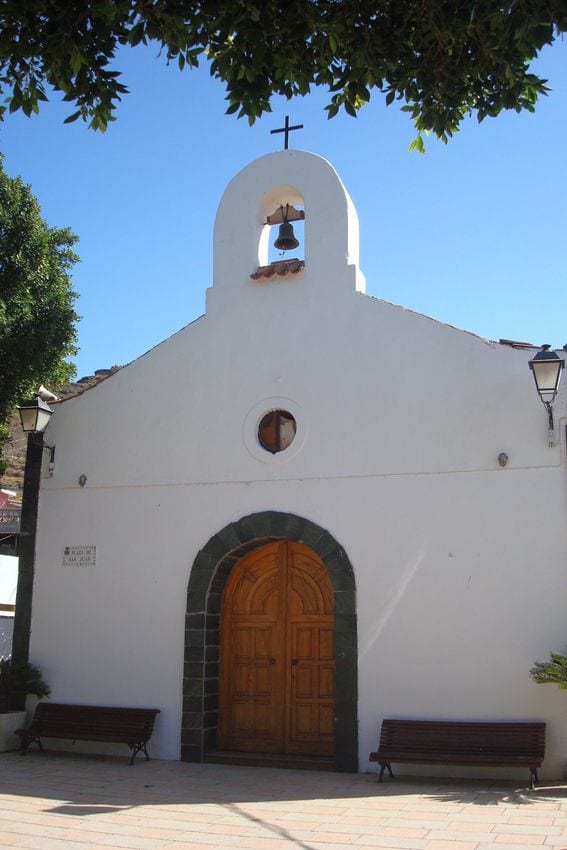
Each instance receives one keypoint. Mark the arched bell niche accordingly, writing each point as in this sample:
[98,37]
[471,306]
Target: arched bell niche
[282,206]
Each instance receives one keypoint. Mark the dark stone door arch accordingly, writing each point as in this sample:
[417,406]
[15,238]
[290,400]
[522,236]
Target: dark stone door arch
[202,628]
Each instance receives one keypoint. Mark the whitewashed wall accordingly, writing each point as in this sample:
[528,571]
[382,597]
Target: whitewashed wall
[461,566]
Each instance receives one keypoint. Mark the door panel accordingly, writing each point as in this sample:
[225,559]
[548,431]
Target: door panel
[311,694]
[251,693]
[277,654]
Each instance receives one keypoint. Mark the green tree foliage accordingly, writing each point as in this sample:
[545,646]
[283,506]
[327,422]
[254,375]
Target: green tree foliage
[554,670]
[37,319]
[444,59]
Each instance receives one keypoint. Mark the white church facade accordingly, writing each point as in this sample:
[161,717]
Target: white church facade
[307,511]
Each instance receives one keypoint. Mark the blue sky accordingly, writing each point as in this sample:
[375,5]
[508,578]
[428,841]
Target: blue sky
[471,233]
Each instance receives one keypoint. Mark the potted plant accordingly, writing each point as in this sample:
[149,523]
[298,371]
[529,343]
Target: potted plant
[553,671]
[16,682]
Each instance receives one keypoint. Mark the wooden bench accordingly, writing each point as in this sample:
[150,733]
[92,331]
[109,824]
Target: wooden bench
[132,726]
[444,742]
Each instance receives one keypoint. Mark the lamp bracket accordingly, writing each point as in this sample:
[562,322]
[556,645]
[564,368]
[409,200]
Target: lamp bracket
[51,450]
[549,407]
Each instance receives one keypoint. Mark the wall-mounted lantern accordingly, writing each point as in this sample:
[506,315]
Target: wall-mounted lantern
[35,415]
[546,368]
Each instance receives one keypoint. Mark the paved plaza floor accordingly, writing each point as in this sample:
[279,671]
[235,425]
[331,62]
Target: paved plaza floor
[69,802]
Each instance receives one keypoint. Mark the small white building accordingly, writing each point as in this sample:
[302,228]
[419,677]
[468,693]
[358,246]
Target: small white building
[289,520]
[8,582]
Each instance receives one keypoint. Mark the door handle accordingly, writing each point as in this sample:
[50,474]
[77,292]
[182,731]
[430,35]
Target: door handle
[294,662]
[272,660]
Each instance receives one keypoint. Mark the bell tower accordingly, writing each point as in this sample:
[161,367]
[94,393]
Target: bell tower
[261,204]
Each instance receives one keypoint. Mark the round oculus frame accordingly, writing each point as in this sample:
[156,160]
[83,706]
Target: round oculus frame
[274,430]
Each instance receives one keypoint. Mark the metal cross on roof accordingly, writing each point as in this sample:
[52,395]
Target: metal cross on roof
[287,130]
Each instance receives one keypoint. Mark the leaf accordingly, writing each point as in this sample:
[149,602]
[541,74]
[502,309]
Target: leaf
[136,34]
[417,145]
[77,61]
[72,117]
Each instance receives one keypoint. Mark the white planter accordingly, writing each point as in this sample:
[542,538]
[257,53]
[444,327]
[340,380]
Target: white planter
[9,722]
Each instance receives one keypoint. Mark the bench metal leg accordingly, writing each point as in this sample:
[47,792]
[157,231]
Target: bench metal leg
[383,766]
[533,777]
[27,740]
[137,748]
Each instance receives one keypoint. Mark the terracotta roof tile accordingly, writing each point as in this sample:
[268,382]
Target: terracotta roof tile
[83,384]
[513,344]
[280,268]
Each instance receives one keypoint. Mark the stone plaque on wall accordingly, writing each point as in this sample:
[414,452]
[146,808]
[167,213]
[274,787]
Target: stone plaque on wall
[79,556]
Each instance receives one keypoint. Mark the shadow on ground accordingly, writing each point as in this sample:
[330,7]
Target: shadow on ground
[82,785]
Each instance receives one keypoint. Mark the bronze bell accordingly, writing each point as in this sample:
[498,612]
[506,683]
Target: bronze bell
[286,237]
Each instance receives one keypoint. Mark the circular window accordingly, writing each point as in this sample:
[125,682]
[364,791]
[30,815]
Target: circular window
[276,430]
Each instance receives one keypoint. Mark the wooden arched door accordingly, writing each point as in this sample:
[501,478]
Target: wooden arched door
[277,654]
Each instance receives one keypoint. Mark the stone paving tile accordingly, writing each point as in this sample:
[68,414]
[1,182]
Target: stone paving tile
[208,839]
[501,845]
[527,829]
[11,839]
[460,836]
[266,844]
[444,844]
[187,845]
[22,828]
[130,841]
[39,843]
[393,843]
[233,814]
[288,824]
[470,826]
[325,837]
[426,814]
[422,820]
[557,841]
[316,845]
